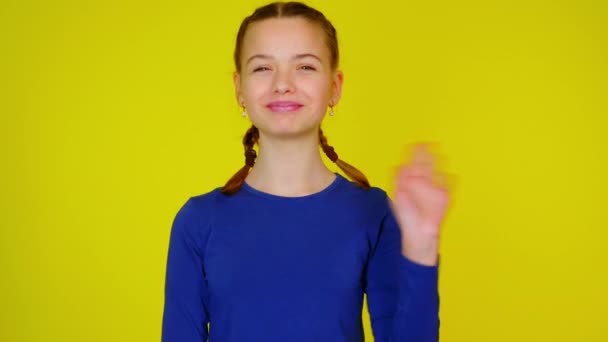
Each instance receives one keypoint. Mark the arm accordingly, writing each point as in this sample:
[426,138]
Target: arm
[402,295]
[185,315]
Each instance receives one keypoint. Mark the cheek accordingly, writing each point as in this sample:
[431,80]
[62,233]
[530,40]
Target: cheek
[317,89]
[254,88]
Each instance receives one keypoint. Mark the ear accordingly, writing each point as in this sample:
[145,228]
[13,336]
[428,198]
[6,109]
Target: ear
[336,87]
[236,78]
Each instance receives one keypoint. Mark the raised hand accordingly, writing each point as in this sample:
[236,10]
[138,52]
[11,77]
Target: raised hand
[420,203]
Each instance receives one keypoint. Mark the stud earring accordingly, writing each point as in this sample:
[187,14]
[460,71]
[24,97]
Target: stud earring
[244,112]
[331,111]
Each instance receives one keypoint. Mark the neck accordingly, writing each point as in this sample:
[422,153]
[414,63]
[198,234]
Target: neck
[289,167]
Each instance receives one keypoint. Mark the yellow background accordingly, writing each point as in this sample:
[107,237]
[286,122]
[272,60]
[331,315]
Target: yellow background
[113,113]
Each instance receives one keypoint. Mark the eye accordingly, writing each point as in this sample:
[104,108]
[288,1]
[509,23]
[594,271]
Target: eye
[308,67]
[261,68]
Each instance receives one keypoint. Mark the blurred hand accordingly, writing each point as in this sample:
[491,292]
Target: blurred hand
[420,203]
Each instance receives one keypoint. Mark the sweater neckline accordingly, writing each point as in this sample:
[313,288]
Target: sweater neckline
[337,181]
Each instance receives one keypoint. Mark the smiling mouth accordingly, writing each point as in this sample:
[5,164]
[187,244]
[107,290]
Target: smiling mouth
[284,107]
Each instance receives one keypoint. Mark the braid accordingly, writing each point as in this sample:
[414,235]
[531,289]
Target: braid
[251,137]
[236,181]
[350,170]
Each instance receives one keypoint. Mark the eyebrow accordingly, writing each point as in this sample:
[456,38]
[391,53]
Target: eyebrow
[298,56]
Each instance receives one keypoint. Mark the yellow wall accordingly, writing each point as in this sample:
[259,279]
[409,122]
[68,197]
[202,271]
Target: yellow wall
[113,114]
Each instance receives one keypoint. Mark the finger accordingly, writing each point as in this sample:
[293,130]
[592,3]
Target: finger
[423,171]
[401,179]
[423,162]
[406,182]
[407,177]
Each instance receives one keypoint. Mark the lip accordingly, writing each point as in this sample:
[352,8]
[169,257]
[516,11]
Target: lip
[284,106]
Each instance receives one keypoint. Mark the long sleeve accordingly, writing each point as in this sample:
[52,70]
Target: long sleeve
[186,314]
[402,296]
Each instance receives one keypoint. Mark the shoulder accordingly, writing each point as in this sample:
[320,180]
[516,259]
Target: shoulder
[370,208]
[358,193]
[197,212]
[374,199]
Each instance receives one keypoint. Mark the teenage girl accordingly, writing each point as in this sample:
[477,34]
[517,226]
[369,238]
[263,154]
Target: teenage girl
[286,249]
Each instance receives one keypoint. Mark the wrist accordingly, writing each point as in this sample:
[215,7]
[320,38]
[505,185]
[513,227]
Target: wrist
[421,252]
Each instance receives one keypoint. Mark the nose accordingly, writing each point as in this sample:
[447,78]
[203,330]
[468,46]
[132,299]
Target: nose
[283,82]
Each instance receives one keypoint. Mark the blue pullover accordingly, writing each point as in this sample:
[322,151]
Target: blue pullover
[254,266]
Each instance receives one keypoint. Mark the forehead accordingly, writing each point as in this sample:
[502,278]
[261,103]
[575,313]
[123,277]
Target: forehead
[284,37]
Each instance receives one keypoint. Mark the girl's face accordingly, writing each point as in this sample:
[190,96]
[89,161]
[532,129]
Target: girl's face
[286,81]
